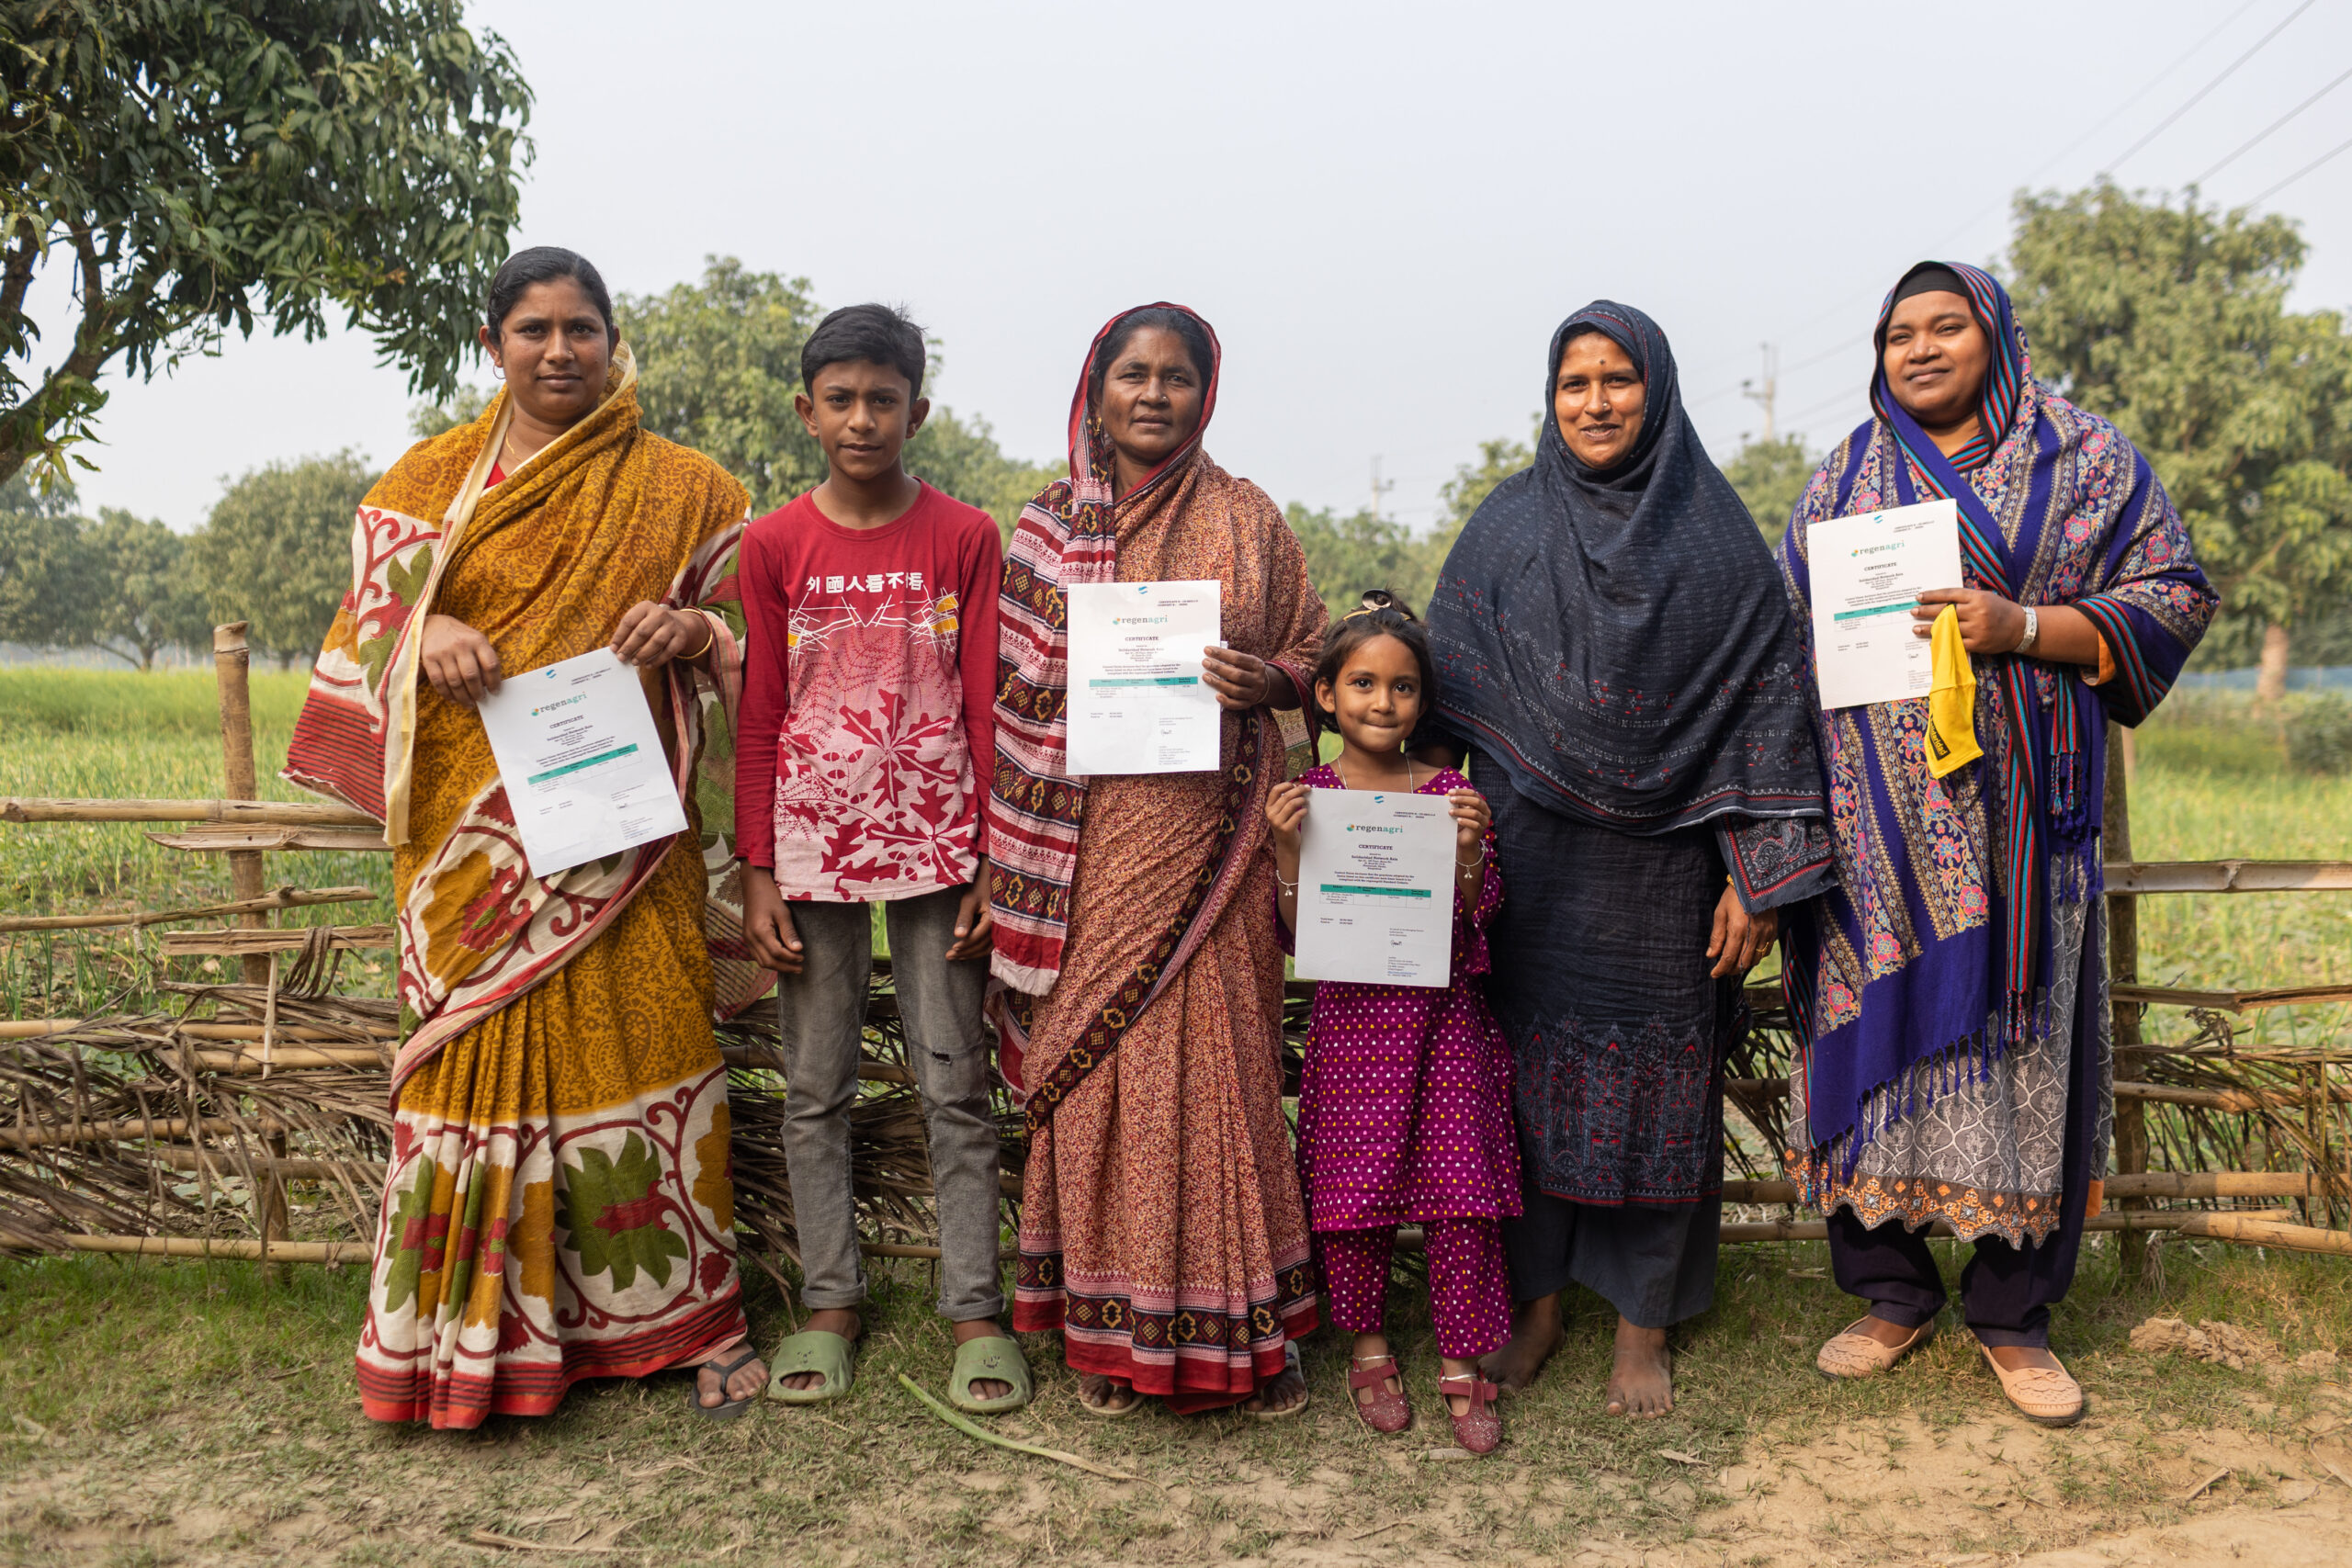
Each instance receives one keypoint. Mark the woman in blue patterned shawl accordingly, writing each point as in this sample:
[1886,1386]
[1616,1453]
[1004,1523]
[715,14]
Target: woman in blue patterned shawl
[1951,994]
[1616,657]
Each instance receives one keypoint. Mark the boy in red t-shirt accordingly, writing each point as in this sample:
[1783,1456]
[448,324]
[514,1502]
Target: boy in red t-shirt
[861,768]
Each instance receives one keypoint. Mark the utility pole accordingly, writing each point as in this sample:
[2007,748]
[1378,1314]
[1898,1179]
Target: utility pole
[1771,387]
[1380,488]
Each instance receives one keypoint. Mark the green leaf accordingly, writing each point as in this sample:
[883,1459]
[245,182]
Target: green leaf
[611,1217]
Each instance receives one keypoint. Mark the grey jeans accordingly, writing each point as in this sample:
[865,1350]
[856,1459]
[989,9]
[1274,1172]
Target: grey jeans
[822,1013]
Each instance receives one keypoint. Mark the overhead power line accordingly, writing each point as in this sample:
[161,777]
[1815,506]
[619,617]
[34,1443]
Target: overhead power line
[2263,134]
[2198,96]
[2048,163]
[2146,88]
[2339,147]
[1824,405]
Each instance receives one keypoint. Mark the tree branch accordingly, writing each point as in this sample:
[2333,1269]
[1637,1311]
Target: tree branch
[89,338]
[24,251]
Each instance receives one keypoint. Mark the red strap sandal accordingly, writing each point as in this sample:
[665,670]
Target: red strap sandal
[1387,1410]
[1477,1429]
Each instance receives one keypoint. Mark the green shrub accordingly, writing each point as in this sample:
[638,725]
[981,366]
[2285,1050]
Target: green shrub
[2319,734]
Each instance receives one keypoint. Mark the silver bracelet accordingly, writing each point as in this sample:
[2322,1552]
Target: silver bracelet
[1460,865]
[2032,632]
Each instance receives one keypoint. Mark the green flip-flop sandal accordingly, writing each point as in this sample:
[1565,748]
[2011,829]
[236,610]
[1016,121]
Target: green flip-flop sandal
[993,1358]
[812,1350]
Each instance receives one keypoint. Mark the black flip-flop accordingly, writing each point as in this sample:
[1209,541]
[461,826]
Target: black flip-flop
[726,1409]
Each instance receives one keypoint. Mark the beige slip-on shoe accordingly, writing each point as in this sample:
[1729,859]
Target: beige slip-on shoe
[2046,1395]
[1853,1354]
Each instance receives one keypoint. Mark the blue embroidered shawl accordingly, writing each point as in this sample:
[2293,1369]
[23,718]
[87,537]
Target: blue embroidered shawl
[1934,951]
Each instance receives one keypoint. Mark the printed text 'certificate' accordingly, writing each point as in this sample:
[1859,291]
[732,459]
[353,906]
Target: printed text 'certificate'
[1375,888]
[1868,574]
[584,771]
[1137,704]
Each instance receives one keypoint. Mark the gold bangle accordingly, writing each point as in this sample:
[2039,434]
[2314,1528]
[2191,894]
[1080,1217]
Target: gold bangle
[707,641]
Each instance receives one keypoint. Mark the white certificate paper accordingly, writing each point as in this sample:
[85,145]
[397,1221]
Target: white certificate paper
[1375,888]
[1137,704]
[1868,574]
[584,770]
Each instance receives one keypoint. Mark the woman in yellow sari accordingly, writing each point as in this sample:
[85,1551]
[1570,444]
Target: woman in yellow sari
[560,1204]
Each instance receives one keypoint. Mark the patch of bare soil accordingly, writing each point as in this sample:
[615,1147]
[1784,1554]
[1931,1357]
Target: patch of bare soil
[1916,1489]
[2008,1492]
[1991,1493]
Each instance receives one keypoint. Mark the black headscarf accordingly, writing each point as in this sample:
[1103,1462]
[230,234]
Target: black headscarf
[1619,640]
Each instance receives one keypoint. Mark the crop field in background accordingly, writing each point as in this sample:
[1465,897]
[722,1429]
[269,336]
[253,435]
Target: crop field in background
[2212,783]
[121,734]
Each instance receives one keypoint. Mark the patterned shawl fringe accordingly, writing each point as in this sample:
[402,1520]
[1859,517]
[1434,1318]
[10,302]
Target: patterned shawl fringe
[1965,1063]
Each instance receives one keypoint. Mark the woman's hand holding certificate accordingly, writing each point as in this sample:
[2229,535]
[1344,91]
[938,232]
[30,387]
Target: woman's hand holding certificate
[1138,701]
[1868,572]
[584,770]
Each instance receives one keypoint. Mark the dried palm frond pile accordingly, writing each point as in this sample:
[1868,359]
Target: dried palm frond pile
[185,1124]
[264,1110]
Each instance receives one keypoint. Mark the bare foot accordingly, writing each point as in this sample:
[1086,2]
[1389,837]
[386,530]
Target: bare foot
[1370,1349]
[1099,1393]
[744,1382]
[1286,1391]
[1534,1335]
[1642,1381]
[983,1328]
[842,1321]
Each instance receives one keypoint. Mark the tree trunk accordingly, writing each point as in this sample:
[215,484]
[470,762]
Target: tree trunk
[2271,683]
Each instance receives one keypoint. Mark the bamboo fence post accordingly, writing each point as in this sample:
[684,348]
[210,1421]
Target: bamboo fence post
[231,658]
[231,661]
[2123,969]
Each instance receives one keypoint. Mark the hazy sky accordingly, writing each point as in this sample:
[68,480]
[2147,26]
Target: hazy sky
[1384,209]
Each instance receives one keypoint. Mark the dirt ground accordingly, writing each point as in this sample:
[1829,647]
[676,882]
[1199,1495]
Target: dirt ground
[169,1414]
[1903,1491]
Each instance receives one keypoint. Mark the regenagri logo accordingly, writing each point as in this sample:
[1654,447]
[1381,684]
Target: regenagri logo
[560,702]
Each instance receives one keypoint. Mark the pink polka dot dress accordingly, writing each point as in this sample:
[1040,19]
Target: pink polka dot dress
[1405,1117]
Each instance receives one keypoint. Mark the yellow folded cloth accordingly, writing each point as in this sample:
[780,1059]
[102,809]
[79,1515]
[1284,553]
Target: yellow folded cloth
[1951,699]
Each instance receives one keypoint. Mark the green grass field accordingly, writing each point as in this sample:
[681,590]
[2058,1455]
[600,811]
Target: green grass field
[2213,782]
[121,734]
[180,1413]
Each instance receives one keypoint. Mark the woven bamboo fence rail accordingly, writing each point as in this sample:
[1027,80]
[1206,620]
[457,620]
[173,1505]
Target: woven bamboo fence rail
[252,1120]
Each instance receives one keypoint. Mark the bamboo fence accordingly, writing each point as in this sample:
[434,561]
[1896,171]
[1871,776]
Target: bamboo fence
[252,1120]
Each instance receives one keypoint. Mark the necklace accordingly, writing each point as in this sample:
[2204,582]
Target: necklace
[507,461]
[1409,786]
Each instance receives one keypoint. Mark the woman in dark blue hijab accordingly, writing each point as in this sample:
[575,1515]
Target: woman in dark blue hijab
[1616,657]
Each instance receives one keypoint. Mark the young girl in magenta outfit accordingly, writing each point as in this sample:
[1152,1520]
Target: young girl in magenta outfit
[1404,1109]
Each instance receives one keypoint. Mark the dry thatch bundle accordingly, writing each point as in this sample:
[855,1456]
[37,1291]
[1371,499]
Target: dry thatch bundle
[188,1124]
[169,1125]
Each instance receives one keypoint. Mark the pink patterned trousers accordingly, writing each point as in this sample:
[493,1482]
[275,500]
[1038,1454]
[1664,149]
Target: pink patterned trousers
[1469,1288]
